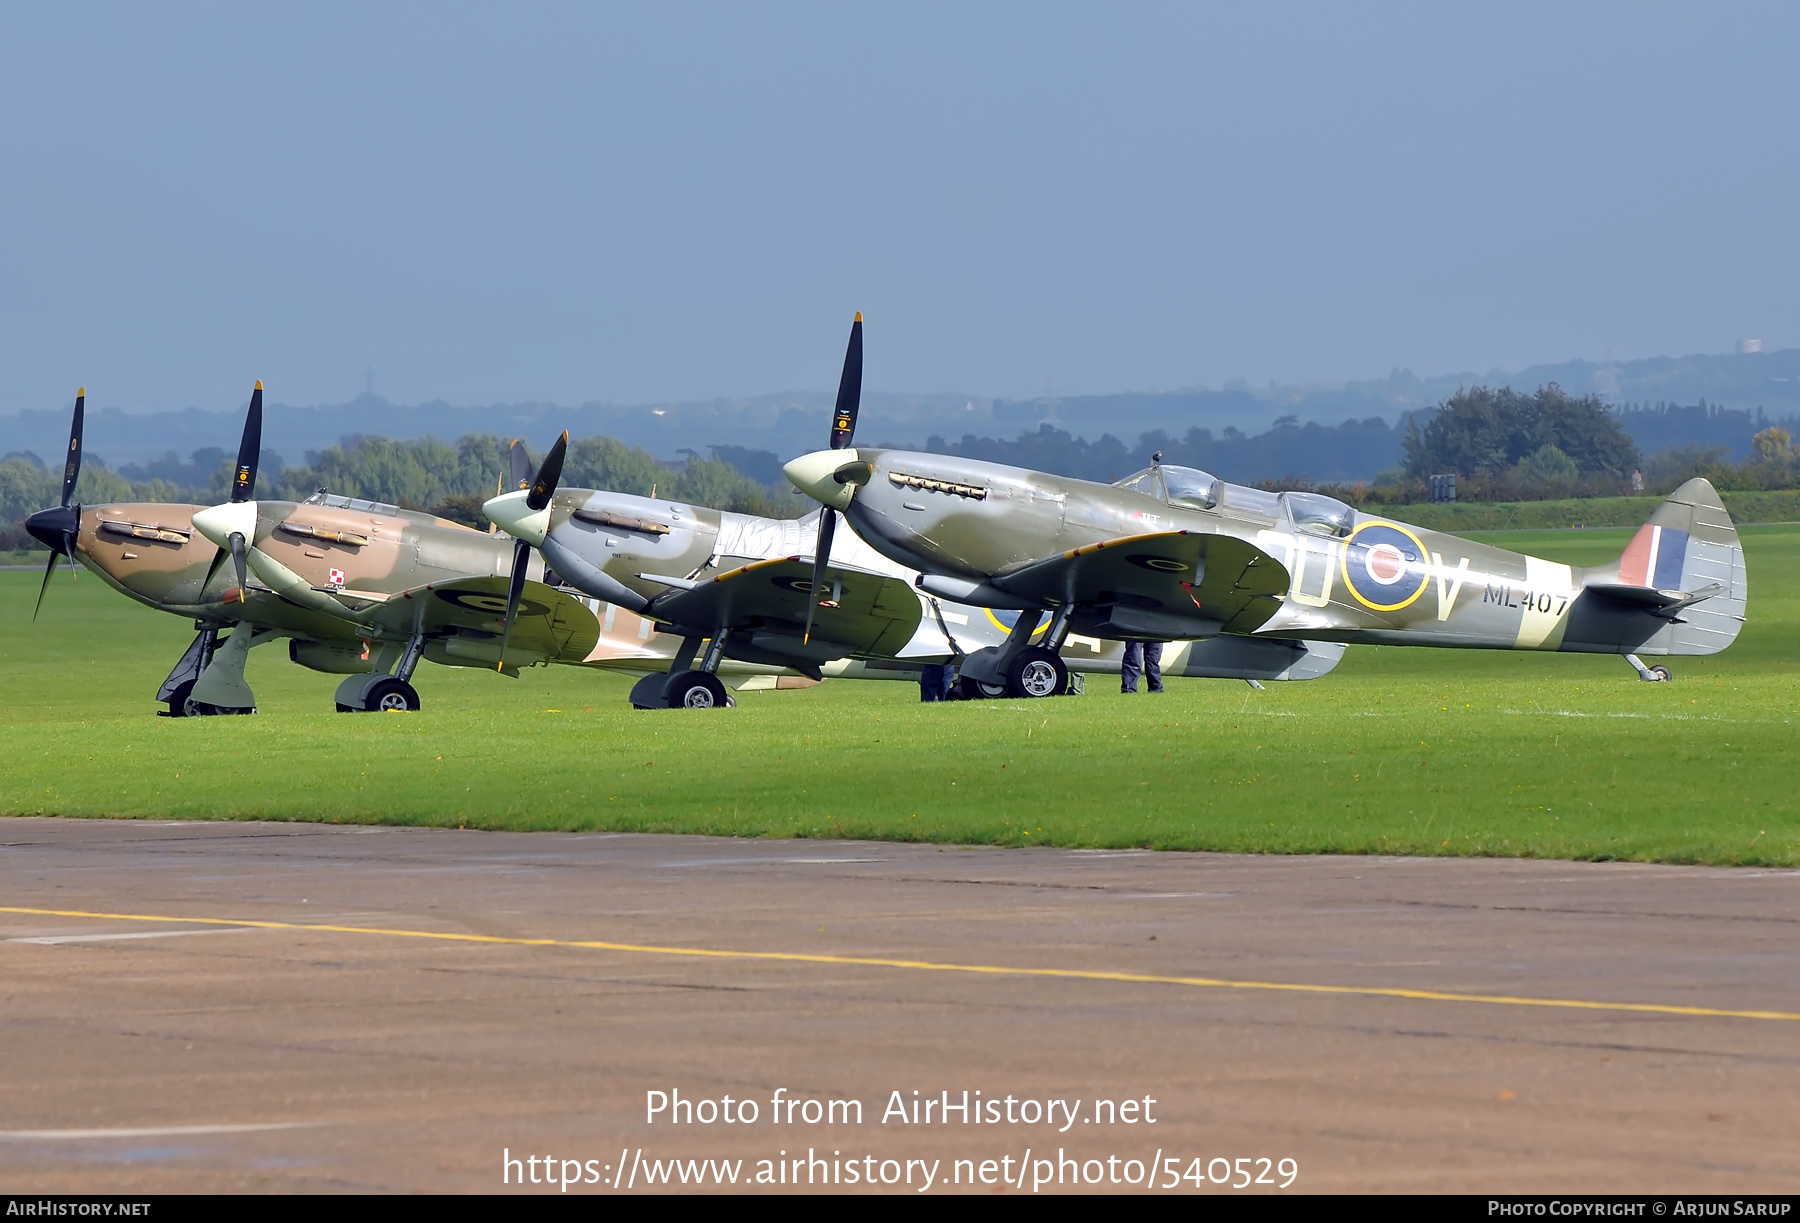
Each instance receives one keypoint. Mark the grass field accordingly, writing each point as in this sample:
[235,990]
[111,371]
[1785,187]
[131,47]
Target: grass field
[1399,751]
[1466,517]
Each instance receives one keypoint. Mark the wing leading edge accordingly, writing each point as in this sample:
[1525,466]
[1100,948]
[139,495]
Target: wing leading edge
[767,602]
[1163,585]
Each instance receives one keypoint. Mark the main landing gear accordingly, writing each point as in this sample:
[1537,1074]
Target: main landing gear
[1018,668]
[385,691]
[1658,674]
[680,688]
[209,678]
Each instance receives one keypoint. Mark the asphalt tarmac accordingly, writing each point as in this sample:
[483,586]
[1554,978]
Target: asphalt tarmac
[418,1004]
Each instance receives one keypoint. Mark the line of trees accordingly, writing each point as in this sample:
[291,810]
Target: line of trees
[444,478]
[1323,452]
[1502,444]
[1507,446]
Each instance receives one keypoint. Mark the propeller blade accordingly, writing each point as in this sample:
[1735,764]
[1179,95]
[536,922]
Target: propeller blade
[821,559]
[72,470]
[521,464]
[849,396]
[243,484]
[212,570]
[49,572]
[544,487]
[515,589]
[237,560]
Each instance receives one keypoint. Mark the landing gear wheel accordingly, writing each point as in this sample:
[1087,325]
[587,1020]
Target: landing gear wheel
[390,695]
[975,690]
[697,690]
[182,703]
[1037,672]
[1661,673]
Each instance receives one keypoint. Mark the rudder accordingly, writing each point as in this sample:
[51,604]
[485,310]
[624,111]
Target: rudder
[1685,566]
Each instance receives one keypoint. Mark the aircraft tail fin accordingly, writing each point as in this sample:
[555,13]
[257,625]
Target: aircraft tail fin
[1685,566]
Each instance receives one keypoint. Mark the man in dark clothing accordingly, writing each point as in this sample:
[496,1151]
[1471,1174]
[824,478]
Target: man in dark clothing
[935,682]
[1141,658]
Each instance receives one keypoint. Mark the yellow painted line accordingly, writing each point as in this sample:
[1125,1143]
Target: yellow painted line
[1067,974]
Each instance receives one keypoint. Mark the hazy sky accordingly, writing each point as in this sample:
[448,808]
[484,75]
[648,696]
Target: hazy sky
[546,202]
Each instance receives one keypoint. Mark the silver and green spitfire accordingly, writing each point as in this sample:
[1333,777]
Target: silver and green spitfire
[716,594]
[1172,553]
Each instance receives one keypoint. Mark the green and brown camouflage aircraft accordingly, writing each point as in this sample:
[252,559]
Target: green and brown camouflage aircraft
[1171,553]
[356,587]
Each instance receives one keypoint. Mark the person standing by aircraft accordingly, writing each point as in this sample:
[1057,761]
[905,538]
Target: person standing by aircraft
[1141,658]
[936,680]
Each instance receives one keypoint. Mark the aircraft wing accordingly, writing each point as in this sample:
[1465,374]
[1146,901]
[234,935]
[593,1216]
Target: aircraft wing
[875,614]
[1216,579]
[551,623]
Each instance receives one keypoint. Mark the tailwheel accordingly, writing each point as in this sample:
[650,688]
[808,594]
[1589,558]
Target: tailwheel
[697,690]
[390,696]
[1037,672]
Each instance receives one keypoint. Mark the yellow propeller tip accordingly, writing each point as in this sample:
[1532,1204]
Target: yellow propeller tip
[259,384]
[859,316]
[81,392]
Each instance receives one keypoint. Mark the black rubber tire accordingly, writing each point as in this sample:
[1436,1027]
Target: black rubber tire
[390,695]
[1036,672]
[697,690]
[975,690]
[179,704]
[1661,672]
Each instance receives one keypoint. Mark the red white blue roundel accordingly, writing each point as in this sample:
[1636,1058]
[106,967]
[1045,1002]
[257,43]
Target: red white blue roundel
[1384,566]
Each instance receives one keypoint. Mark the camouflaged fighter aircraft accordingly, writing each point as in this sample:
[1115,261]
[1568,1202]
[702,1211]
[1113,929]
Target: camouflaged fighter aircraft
[357,588]
[735,592]
[1259,578]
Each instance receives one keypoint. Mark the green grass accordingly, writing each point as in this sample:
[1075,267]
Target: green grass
[1462,517]
[1399,751]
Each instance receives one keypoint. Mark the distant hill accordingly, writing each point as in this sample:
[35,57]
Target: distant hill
[1663,401]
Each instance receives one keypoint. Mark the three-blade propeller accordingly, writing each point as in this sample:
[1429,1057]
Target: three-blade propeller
[243,488]
[57,528]
[843,432]
[543,487]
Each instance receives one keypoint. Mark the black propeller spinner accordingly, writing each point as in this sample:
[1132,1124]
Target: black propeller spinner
[57,528]
[843,431]
[543,487]
[243,488]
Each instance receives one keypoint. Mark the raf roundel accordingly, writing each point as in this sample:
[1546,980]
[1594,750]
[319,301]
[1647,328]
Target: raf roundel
[1384,566]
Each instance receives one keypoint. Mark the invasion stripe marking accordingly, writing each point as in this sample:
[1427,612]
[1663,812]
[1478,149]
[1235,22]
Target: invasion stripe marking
[1069,974]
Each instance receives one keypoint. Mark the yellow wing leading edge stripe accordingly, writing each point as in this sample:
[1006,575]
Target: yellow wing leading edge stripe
[1067,974]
